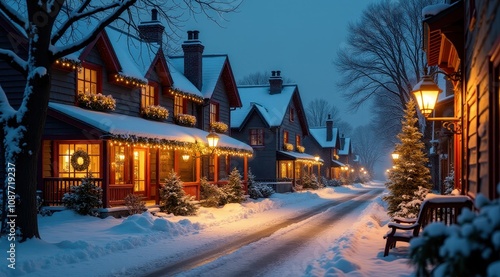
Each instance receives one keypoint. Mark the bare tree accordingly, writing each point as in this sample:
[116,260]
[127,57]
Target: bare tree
[53,30]
[383,57]
[259,78]
[368,145]
[319,110]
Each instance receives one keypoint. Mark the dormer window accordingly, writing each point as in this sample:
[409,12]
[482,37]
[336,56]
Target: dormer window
[88,79]
[179,105]
[214,112]
[148,96]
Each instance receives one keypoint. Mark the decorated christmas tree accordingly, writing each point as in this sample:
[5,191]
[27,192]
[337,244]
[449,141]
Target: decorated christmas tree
[234,188]
[173,199]
[409,180]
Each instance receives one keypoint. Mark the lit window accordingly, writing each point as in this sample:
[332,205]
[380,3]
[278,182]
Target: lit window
[214,112]
[285,137]
[87,82]
[148,96]
[178,105]
[297,140]
[86,160]
[256,137]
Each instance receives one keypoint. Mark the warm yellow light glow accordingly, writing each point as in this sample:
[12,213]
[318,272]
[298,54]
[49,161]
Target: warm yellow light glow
[213,139]
[316,158]
[185,157]
[395,156]
[426,93]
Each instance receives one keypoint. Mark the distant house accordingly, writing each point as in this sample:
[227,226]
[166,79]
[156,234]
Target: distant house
[120,110]
[272,121]
[325,142]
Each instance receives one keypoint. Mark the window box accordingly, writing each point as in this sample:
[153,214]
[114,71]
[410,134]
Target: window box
[154,112]
[287,146]
[300,149]
[185,120]
[219,127]
[96,102]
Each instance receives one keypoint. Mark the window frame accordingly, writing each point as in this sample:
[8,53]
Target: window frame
[258,134]
[298,140]
[93,67]
[285,136]
[180,108]
[214,112]
[154,97]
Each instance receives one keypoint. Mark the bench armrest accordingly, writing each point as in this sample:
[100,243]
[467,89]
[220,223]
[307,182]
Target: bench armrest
[403,226]
[404,220]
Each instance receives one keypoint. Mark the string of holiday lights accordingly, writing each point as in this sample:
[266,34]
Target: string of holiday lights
[189,96]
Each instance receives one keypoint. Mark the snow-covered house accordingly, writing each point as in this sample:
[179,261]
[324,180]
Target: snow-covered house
[272,121]
[346,155]
[325,142]
[462,38]
[121,111]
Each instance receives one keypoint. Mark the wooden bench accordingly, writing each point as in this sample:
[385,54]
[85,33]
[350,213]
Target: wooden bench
[440,208]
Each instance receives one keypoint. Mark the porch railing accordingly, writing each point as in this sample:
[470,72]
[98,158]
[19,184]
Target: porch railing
[54,189]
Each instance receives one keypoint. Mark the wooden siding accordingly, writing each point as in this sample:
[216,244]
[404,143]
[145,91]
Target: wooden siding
[482,38]
[11,81]
[47,170]
[220,97]
[292,127]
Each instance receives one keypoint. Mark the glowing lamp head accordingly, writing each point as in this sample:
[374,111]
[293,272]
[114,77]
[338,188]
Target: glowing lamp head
[426,93]
[213,139]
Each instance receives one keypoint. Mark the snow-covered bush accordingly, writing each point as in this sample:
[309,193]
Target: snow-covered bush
[409,206]
[310,182]
[185,120]
[173,199]
[96,102]
[219,127]
[134,203]
[155,112]
[211,195]
[234,188]
[449,182]
[84,198]
[257,190]
[469,248]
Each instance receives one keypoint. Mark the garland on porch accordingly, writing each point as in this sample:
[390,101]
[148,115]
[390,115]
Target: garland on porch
[80,160]
[133,140]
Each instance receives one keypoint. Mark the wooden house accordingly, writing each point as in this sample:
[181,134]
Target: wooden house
[463,40]
[107,116]
[272,121]
[325,143]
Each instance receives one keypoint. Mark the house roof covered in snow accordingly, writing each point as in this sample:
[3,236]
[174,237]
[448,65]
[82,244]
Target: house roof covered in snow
[214,68]
[346,149]
[289,155]
[123,126]
[319,134]
[271,107]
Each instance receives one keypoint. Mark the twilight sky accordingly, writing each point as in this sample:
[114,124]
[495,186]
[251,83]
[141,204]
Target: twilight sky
[298,37]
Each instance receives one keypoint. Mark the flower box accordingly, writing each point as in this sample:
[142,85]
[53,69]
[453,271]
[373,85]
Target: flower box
[219,127]
[287,146]
[153,112]
[300,149]
[96,102]
[185,120]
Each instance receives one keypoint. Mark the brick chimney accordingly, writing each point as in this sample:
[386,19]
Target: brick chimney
[329,128]
[152,31]
[193,57]
[342,142]
[275,82]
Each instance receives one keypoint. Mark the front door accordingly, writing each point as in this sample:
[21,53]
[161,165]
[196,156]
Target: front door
[140,171]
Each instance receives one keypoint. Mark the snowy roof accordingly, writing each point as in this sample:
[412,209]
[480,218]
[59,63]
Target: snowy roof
[182,83]
[299,156]
[432,10]
[212,70]
[347,147]
[272,107]
[319,134]
[119,124]
[339,164]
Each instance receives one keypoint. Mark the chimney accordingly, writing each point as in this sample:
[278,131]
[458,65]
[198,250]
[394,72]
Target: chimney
[342,141]
[329,128]
[275,82]
[193,57]
[151,31]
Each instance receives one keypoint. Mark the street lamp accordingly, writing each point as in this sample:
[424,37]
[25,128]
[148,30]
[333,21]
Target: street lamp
[213,140]
[426,93]
[395,155]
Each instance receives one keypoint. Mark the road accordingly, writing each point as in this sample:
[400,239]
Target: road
[261,251]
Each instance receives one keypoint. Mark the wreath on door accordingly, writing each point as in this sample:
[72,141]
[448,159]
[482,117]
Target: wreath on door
[80,160]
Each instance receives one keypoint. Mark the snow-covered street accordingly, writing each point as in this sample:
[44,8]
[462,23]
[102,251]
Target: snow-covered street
[138,245]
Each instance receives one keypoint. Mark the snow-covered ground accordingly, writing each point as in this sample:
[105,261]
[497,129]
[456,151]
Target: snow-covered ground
[75,245]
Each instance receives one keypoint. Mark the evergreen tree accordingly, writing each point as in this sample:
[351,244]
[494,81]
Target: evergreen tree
[410,171]
[211,195]
[253,189]
[84,198]
[234,188]
[173,199]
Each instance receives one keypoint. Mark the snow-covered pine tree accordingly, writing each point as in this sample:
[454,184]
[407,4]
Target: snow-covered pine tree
[234,188]
[211,195]
[173,199]
[253,189]
[84,198]
[410,171]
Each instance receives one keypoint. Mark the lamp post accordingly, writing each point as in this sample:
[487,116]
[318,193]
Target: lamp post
[213,140]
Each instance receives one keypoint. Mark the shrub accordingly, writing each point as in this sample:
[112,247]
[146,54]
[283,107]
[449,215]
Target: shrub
[211,195]
[84,198]
[173,199]
[469,248]
[449,182]
[97,102]
[185,120]
[153,112]
[134,204]
[234,188]
[310,182]
[219,127]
